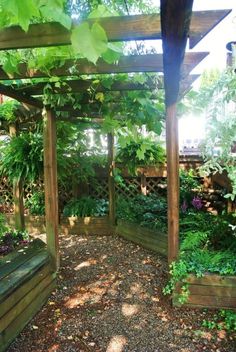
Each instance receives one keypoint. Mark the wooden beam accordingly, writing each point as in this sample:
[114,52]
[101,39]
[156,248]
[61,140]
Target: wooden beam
[111,181]
[22,97]
[174,34]
[127,64]
[18,193]
[203,22]
[172,151]
[82,86]
[120,28]
[51,187]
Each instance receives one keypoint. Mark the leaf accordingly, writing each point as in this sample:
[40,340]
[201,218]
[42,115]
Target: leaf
[100,97]
[22,12]
[91,43]
[113,52]
[53,11]
[102,11]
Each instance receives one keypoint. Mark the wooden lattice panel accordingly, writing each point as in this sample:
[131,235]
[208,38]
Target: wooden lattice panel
[131,187]
[29,189]
[6,196]
[99,189]
[154,185]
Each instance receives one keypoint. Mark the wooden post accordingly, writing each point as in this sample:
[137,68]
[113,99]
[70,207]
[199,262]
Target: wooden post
[143,184]
[50,186]
[18,193]
[111,181]
[172,150]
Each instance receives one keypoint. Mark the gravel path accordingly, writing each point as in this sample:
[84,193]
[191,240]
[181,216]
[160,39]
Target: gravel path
[109,299]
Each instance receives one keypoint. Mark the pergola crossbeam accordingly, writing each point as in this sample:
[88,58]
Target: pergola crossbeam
[126,64]
[120,28]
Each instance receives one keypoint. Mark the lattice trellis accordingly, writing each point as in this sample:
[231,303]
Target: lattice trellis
[6,195]
[99,189]
[29,189]
[131,187]
[155,184]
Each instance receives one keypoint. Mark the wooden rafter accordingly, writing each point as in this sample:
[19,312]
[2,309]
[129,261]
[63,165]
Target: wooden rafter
[127,64]
[22,97]
[81,86]
[124,28]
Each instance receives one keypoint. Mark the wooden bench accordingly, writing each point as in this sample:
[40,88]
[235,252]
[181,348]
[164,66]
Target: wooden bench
[26,282]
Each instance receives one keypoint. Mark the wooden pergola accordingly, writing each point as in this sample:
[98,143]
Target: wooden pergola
[174,26]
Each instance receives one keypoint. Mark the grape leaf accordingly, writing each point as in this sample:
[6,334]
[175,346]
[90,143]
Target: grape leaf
[90,42]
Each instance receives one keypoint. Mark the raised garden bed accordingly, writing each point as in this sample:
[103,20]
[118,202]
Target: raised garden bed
[147,238]
[72,225]
[26,282]
[210,291]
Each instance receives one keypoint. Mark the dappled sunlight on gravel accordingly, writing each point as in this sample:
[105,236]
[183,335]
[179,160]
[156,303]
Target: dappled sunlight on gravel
[109,299]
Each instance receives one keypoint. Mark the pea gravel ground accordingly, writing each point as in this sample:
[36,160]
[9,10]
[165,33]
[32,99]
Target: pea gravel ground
[109,299]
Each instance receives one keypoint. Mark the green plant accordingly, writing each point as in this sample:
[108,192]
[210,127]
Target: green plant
[22,157]
[3,227]
[36,203]
[12,239]
[86,206]
[140,151]
[148,211]
[189,184]
[223,320]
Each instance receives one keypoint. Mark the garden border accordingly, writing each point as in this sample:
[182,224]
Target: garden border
[147,238]
[209,291]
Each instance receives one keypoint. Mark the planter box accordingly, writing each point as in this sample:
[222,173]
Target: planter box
[150,239]
[86,226]
[210,291]
[72,225]
[26,282]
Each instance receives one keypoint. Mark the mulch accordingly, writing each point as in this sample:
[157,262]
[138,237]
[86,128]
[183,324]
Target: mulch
[109,299]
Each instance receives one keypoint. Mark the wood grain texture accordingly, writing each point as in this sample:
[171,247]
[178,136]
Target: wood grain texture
[144,237]
[123,28]
[51,187]
[23,288]
[8,335]
[126,64]
[22,274]
[9,265]
[80,86]
[111,181]
[209,291]
[172,151]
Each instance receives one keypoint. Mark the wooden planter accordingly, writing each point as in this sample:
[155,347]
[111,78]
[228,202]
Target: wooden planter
[26,282]
[72,225]
[210,291]
[150,239]
[86,226]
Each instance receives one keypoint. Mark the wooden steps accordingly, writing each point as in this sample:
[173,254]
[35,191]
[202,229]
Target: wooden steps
[26,282]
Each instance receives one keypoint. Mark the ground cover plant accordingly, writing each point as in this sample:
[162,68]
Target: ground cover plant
[86,206]
[11,239]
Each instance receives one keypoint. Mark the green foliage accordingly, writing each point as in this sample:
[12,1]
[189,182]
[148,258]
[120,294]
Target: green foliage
[148,211]
[22,157]
[89,42]
[23,12]
[139,151]
[7,110]
[223,320]
[86,206]
[12,239]
[3,227]
[36,203]
[188,183]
